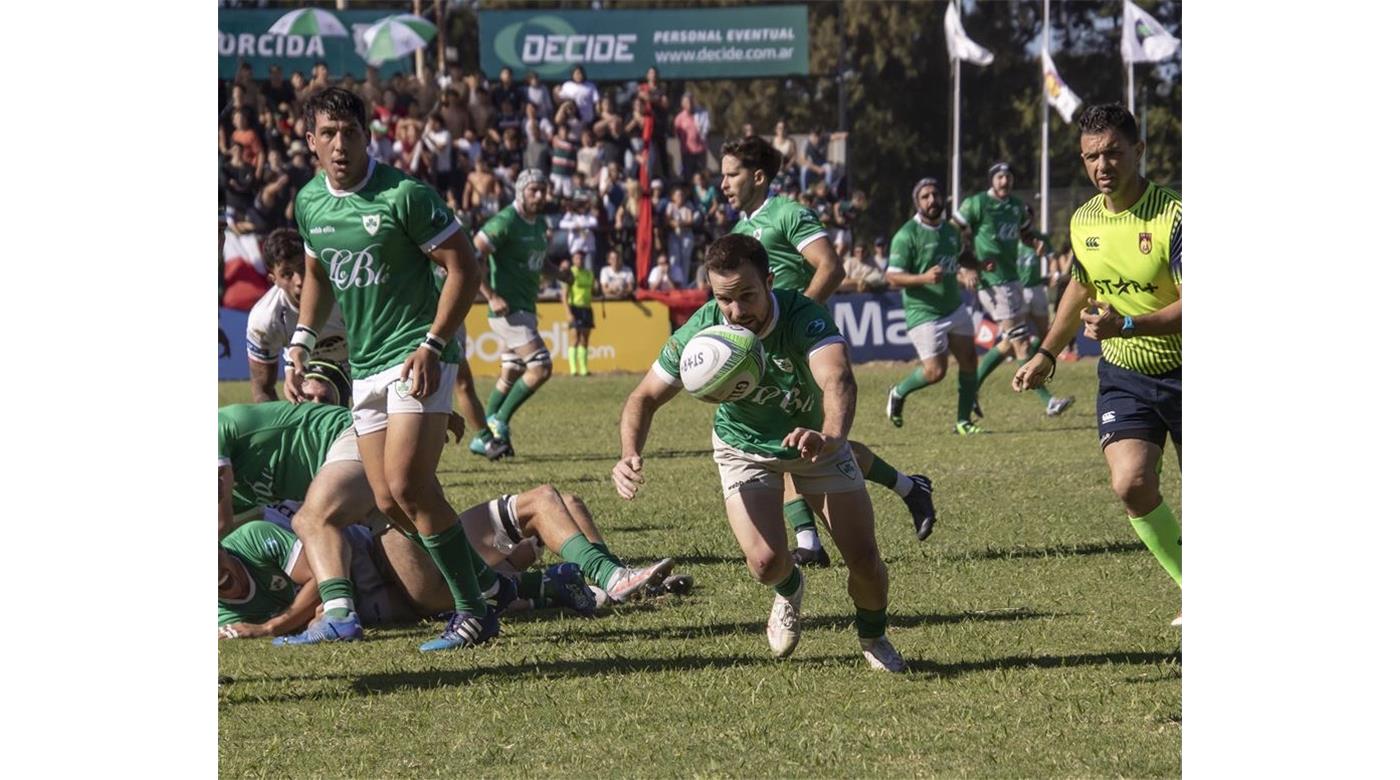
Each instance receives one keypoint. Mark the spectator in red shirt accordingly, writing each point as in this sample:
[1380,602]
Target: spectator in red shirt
[691,137]
[247,137]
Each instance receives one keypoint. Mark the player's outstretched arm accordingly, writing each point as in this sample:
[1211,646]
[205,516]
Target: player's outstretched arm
[820,255]
[651,394]
[294,618]
[831,368]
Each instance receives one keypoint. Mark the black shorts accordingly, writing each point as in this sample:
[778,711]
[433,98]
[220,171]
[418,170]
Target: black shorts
[1138,406]
[582,317]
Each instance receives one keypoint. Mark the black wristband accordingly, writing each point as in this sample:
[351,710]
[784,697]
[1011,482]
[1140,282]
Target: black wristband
[1053,362]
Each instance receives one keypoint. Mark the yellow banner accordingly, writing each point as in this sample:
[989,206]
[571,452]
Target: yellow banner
[627,336]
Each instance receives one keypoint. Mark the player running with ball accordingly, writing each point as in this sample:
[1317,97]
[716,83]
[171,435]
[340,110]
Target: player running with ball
[794,423]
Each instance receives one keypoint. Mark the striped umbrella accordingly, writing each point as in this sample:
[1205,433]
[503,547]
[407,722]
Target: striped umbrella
[395,36]
[309,21]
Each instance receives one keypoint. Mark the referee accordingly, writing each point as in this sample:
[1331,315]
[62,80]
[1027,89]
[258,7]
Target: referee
[1126,290]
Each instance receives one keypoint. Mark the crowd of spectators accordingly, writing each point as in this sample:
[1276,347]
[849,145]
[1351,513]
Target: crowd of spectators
[469,137]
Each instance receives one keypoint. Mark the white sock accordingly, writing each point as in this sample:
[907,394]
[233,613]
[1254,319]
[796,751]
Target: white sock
[345,604]
[903,484]
[808,540]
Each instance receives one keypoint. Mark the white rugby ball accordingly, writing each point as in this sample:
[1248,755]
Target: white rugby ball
[722,363]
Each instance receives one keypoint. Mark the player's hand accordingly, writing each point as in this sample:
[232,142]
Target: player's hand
[498,305]
[423,371]
[933,275]
[1102,324]
[810,445]
[242,631]
[968,278]
[296,372]
[627,476]
[457,426]
[1032,374]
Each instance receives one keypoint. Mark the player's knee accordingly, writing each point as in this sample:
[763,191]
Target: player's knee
[1019,332]
[766,567]
[309,520]
[511,367]
[934,372]
[1137,489]
[864,563]
[540,364]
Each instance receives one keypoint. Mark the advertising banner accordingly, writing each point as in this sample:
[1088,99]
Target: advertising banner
[243,36]
[628,335]
[713,43]
[233,345]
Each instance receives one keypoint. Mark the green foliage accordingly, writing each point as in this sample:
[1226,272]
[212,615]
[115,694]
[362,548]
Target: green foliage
[1035,623]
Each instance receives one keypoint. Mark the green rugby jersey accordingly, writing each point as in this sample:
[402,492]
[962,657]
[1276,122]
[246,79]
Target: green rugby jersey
[269,552]
[1132,261]
[784,227]
[1028,263]
[372,241]
[276,448]
[917,247]
[788,397]
[996,233]
[518,249]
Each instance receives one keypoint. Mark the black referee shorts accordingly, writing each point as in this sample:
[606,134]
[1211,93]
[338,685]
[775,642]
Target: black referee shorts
[1138,406]
[582,317]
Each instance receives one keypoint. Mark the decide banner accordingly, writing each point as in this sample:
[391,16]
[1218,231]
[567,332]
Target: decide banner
[243,36]
[620,45]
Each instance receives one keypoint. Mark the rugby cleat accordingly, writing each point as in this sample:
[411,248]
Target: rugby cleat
[805,557]
[785,621]
[500,429]
[326,629]
[464,630]
[678,584]
[920,503]
[966,428]
[1057,406]
[625,582]
[894,408]
[977,408]
[479,446]
[1177,621]
[497,449]
[505,593]
[566,588]
[882,656]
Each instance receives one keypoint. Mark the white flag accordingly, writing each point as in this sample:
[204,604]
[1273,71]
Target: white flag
[961,47]
[1056,91]
[1144,38]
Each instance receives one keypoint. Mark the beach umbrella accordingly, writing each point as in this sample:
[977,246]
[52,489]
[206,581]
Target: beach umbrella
[309,21]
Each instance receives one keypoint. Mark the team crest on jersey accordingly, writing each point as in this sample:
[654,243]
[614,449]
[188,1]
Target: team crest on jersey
[848,468]
[1145,243]
[783,364]
[276,583]
[371,222]
[758,233]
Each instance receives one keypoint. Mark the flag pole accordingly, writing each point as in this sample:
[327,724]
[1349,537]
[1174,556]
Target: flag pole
[957,129]
[1132,91]
[1045,131]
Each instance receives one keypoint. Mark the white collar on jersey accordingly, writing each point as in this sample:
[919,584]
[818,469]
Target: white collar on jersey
[766,201]
[923,223]
[342,193]
[773,311]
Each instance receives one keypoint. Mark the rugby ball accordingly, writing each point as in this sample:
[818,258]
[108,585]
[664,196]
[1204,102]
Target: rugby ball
[722,363]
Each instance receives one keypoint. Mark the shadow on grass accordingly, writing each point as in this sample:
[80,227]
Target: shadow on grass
[935,669]
[1053,551]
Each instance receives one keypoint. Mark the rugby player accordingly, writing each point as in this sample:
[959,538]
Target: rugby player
[1125,288]
[796,422]
[273,318]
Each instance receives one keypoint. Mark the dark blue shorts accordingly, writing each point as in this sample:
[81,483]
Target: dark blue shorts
[582,317]
[1138,406]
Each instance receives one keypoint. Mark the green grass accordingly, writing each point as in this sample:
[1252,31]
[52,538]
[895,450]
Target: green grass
[1036,625]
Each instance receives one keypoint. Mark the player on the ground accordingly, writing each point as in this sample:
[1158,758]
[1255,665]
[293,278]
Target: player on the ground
[925,257]
[795,422]
[802,260]
[578,295]
[274,317]
[995,223]
[1126,290]
[373,235]
[515,242]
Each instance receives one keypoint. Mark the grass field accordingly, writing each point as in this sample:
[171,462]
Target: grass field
[1035,623]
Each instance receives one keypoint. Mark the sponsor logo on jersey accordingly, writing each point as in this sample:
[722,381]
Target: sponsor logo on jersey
[1109,417]
[1092,242]
[353,269]
[783,364]
[1145,243]
[319,229]
[816,326]
[371,223]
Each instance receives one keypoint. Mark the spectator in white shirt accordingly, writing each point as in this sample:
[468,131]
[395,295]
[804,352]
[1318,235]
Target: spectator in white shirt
[381,146]
[538,94]
[583,92]
[680,224]
[579,221]
[617,280]
[665,276]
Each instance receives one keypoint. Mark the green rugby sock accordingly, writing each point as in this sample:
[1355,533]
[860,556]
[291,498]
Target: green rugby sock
[790,585]
[493,404]
[338,596]
[989,363]
[798,514]
[597,564]
[882,473]
[967,395]
[1161,533]
[460,566]
[915,381]
[871,623]
[518,394]
[531,584]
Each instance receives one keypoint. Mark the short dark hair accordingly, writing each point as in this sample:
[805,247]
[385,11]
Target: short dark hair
[1102,117]
[756,154]
[283,246]
[734,251]
[335,103]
